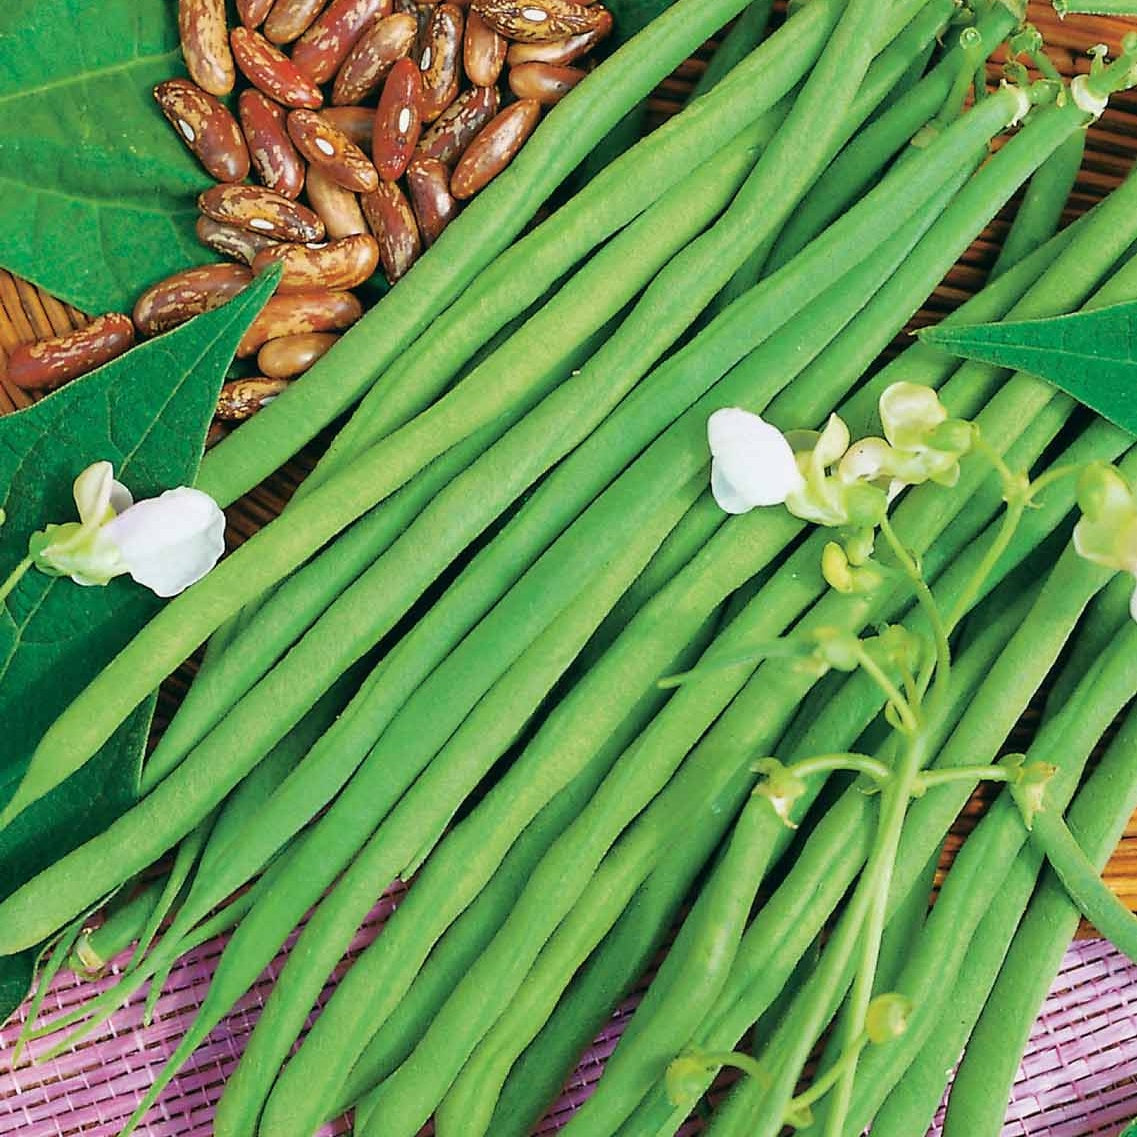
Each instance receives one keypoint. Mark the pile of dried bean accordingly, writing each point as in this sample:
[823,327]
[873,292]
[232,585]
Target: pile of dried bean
[440,95]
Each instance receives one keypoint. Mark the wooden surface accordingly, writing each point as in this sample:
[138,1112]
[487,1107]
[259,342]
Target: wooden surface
[27,313]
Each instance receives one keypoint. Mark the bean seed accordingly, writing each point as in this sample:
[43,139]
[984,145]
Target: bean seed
[274,157]
[289,19]
[44,365]
[242,398]
[289,356]
[270,70]
[392,220]
[483,52]
[373,56]
[545,82]
[441,61]
[262,211]
[206,127]
[428,181]
[321,50]
[356,122]
[459,124]
[397,120]
[494,148]
[538,21]
[337,265]
[188,293]
[337,207]
[329,148]
[201,29]
[296,312]
[230,240]
[561,51]
[252,13]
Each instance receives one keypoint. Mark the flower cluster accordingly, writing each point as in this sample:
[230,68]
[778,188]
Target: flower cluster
[1106,534]
[826,478]
[164,543]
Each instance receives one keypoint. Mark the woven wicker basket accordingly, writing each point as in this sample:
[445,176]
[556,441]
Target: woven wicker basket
[27,313]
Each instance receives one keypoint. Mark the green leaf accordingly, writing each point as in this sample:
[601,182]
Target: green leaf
[98,191]
[147,413]
[1090,355]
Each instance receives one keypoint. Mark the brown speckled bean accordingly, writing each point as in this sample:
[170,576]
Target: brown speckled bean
[545,82]
[289,19]
[273,156]
[561,51]
[428,181]
[356,122]
[329,148]
[188,293]
[483,52]
[367,64]
[206,127]
[338,208]
[231,241]
[289,356]
[205,47]
[321,50]
[459,124]
[46,364]
[298,312]
[242,398]
[398,120]
[538,21]
[252,13]
[393,222]
[271,71]
[494,148]
[337,265]
[441,60]
[262,211]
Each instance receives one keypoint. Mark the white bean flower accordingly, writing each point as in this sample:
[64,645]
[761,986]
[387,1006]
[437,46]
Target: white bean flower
[925,444]
[164,543]
[1106,534]
[752,464]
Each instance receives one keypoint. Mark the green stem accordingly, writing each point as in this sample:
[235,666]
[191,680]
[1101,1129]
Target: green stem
[973,774]
[14,578]
[827,763]
[838,1070]
[908,716]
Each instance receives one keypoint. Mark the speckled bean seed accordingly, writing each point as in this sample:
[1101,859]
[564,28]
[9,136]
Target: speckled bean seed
[538,21]
[252,13]
[545,82]
[298,312]
[336,265]
[459,124]
[271,71]
[289,356]
[289,19]
[483,52]
[242,398]
[321,50]
[44,365]
[441,60]
[230,240]
[274,158]
[398,120]
[329,148]
[337,207]
[205,47]
[185,294]
[262,211]
[369,61]
[356,122]
[206,127]
[392,220]
[494,148]
[428,183]
[561,51]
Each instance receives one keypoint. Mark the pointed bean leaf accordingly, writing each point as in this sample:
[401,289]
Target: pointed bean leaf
[147,413]
[98,191]
[1091,355]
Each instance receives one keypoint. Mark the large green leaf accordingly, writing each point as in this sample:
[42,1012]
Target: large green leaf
[97,191]
[147,413]
[1090,355]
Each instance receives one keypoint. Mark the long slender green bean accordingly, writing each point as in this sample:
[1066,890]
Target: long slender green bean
[745,34]
[123,925]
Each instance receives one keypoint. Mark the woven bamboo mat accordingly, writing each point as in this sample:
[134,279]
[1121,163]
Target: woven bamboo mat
[1080,1074]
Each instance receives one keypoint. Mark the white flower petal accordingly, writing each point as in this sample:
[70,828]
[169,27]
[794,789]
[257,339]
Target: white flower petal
[908,412]
[169,542]
[753,463]
[121,498]
[866,460]
[1133,600]
[92,490]
[833,443]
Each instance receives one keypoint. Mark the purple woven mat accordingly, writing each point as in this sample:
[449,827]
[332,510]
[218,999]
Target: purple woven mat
[1078,1078]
